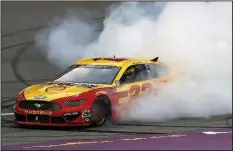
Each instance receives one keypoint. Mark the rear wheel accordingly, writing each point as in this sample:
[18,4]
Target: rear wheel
[100,111]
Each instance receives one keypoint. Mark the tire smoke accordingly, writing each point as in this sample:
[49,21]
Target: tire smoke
[192,37]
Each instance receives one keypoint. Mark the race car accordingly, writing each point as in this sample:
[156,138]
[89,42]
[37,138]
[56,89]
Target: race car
[88,92]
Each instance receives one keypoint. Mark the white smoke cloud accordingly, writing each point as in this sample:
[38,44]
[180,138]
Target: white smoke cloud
[194,37]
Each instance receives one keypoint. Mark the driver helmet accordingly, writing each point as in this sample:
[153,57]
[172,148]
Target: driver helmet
[130,73]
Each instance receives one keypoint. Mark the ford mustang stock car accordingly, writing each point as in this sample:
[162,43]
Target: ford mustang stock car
[86,93]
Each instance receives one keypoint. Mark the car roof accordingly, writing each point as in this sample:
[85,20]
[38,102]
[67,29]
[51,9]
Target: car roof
[114,61]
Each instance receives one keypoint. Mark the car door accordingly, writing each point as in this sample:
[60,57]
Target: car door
[135,82]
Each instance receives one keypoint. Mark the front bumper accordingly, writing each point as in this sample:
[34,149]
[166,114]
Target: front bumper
[56,118]
[50,125]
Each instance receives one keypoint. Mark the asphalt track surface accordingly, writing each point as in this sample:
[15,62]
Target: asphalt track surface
[22,65]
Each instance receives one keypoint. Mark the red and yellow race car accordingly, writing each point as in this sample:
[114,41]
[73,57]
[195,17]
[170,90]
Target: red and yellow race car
[87,93]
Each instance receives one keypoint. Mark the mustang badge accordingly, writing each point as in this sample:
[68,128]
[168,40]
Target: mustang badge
[37,105]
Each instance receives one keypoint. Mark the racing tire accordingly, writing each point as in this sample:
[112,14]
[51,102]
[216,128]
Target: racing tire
[101,111]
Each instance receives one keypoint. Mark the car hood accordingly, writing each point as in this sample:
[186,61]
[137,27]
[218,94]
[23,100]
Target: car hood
[53,91]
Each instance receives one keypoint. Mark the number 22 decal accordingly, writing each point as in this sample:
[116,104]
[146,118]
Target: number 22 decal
[135,90]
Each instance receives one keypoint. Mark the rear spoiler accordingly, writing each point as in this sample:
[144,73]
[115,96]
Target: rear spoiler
[155,59]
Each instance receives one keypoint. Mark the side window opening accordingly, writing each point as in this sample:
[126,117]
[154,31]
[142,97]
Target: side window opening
[135,73]
[158,70]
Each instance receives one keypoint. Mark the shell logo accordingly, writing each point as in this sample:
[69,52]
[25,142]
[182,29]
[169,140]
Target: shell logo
[55,89]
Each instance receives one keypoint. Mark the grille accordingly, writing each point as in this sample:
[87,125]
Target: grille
[72,117]
[57,120]
[39,105]
[38,118]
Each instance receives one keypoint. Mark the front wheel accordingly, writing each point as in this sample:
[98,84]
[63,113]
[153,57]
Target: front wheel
[100,111]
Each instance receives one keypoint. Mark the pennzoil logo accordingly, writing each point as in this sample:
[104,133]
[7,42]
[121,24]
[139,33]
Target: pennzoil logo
[38,112]
[40,97]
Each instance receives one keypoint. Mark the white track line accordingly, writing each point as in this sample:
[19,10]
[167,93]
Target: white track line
[6,114]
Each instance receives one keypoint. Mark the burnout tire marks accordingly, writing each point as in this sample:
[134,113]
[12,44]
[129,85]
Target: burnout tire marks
[15,45]
[41,27]
[15,64]
[7,101]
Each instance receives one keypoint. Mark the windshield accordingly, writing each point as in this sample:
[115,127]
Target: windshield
[95,74]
